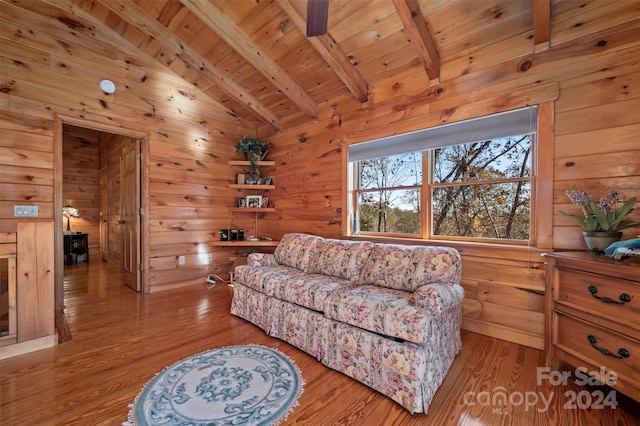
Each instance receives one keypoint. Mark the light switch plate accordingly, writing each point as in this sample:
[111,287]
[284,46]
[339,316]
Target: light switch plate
[25,211]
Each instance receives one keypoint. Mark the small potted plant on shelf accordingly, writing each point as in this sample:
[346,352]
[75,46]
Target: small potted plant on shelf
[601,222]
[254,150]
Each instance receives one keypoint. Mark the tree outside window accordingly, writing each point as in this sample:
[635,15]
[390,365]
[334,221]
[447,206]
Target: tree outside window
[389,194]
[478,190]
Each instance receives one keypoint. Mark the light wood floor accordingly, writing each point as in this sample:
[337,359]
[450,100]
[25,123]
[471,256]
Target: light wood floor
[121,339]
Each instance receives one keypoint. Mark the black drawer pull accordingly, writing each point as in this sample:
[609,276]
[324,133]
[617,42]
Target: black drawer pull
[622,352]
[622,299]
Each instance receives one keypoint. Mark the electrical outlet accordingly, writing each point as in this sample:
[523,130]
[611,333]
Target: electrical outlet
[180,260]
[25,211]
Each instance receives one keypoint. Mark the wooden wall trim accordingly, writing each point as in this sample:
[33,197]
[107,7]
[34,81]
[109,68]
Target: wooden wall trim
[145,249]
[449,107]
[59,121]
[347,223]
[101,127]
[58,126]
[543,226]
[542,218]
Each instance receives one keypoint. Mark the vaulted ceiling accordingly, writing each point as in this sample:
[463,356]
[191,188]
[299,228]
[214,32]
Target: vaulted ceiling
[253,57]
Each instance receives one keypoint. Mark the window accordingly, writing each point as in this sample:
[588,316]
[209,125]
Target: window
[478,180]
[483,189]
[389,194]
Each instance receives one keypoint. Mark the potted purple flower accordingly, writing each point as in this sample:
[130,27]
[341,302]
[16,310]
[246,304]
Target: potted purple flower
[601,222]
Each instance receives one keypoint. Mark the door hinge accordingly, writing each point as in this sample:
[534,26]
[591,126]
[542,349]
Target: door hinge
[139,266]
[140,212]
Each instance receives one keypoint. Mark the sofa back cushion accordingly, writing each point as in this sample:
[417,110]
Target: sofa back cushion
[410,267]
[342,258]
[297,250]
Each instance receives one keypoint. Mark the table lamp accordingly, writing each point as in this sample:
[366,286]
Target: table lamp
[68,212]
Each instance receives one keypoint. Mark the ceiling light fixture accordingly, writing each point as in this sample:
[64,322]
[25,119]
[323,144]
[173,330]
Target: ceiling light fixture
[107,86]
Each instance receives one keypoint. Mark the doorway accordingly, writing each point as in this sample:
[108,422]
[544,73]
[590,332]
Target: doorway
[114,199]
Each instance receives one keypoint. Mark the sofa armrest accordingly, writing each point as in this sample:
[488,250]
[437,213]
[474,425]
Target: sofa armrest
[436,298]
[261,259]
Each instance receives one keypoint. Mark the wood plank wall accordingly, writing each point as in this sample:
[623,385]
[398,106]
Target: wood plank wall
[48,68]
[80,181]
[592,63]
[35,286]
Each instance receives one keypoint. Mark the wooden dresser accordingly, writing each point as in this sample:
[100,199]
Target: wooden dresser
[593,317]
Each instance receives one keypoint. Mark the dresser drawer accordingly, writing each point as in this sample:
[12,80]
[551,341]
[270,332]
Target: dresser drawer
[587,341]
[611,298]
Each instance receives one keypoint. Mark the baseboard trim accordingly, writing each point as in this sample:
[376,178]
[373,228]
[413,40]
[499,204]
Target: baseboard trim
[28,346]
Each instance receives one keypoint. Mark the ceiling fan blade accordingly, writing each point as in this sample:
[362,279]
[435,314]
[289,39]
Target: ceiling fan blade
[317,15]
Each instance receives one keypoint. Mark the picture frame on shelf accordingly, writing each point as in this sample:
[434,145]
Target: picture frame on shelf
[254,201]
[267,180]
[240,179]
[265,202]
[242,201]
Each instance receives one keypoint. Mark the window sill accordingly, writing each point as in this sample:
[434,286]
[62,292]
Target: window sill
[474,248]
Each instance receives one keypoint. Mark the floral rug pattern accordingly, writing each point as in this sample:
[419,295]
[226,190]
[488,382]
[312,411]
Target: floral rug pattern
[234,385]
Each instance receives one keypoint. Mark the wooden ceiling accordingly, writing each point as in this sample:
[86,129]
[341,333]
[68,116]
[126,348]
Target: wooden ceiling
[252,56]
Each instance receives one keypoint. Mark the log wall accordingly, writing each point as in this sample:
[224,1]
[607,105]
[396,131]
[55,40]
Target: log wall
[591,73]
[80,182]
[50,69]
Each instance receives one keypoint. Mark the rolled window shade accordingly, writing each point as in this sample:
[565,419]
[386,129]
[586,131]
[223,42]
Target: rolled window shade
[510,123]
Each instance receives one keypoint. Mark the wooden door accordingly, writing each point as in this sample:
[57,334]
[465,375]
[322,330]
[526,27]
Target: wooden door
[104,214]
[129,215]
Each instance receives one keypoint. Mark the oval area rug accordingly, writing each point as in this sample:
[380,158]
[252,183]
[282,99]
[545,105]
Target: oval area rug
[233,385]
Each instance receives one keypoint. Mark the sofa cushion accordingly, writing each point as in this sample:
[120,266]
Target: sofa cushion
[310,291]
[341,258]
[410,267]
[266,279]
[297,250]
[381,310]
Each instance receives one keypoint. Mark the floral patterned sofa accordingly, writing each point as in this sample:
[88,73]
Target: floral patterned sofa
[386,315]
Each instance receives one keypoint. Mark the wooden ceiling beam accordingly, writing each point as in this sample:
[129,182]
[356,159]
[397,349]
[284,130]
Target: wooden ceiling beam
[541,24]
[235,37]
[330,52]
[139,18]
[416,27]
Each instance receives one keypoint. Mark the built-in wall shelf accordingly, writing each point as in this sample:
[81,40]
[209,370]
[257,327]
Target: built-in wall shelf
[248,163]
[244,243]
[252,190]
[248,186]
[253,209]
